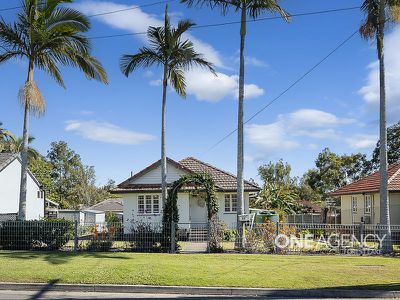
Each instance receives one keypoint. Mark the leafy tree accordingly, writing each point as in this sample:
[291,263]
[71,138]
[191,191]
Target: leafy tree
[47,36]
[279,188]
[378,14]
[15,145]
[42,169]
[334,171]
[74,183]
[176,55]
[248,9]
[393,152]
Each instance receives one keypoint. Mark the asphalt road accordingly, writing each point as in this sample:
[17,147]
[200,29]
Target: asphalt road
[22,295]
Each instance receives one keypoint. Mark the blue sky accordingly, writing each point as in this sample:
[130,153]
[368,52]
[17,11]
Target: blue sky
[116,128]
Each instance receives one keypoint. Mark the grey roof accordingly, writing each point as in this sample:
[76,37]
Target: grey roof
[113,205]
[6,159]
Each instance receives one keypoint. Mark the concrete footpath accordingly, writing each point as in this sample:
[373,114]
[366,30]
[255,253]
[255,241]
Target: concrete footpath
[201,291]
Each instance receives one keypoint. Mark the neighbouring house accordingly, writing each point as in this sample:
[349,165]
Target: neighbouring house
[112,205]
[359,201]
[83,217]
[51,209]
[141,194]
[10,178]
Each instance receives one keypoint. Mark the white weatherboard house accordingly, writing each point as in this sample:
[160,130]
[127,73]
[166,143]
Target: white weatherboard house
[141,194]
[10,178]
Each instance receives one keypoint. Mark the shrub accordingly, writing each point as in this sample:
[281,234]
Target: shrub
[145,238]
[30,235]
[229,235]
[217,232]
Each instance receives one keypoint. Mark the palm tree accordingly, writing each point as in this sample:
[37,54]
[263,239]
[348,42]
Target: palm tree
[252,9]
[15,145]
[176,55]
[47,35]
[378,14]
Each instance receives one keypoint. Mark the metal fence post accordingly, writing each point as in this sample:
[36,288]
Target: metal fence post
[362,229]
[173,237]
[277,233]
[75,236]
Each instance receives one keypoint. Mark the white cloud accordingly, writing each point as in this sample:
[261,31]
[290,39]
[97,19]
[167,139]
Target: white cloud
[136,20]
[252,61]
[362,141]
[290,130]
[200,82]
[205,86]
[270,137]
[370,91]
[155,82]
[107,133]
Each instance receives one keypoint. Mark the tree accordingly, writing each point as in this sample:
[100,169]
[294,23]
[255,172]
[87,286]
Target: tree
[252,9]
[73,182]
[279,188]
[42,169]
[176,55]
[15,145]
[334,171]
[47,36]
[393,150]
[378,14]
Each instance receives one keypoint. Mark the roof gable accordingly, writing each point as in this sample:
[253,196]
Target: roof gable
[7,158]
[371,183]
[224,181]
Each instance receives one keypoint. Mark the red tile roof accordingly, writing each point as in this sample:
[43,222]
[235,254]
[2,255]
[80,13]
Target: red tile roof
[371,183]
[224,181]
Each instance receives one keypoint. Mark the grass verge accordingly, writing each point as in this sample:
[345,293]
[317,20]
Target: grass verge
[233,270]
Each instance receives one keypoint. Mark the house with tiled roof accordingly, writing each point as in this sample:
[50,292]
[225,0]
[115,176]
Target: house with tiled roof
[141,193]
[360,199]
[10,178]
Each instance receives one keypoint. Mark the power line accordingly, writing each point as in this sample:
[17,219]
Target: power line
[130,8]
[105,13]
[236,22]
[286,90]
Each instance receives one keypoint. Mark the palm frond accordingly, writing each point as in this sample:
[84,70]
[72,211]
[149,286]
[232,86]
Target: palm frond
[67,18]
[178,82]
[223,5]
[145,58]
[29,94]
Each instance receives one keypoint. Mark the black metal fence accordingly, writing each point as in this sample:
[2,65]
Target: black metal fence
[60,235]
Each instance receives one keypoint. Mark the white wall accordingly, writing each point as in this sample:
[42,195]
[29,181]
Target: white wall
[9,193]
[131,209]
[154,176]
[72,216]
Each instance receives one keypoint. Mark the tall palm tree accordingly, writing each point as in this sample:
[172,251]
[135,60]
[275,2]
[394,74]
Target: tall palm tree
[47,35]
[15,145]
[378,14]
[252,9]
[168,49]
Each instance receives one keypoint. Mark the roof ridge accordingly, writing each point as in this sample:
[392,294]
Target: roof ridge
[216,168]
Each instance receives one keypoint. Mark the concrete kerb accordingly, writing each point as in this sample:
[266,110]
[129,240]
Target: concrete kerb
[204,291]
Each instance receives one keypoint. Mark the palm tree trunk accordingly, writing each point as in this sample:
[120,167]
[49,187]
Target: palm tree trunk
[163,151]
[240,148]
[24,153]
[383,168]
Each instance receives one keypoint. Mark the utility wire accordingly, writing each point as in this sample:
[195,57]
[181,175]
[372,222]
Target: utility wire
[235,22]
[296,82]
[105,13]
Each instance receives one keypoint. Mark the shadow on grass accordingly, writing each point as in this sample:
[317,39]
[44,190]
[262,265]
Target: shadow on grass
[57,258]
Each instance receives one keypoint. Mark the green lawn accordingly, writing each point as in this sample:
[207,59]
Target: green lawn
[240,270]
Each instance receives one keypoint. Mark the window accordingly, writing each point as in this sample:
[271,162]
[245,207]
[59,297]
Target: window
[40,194]
[354,204]
[367,204]
[230,203]
[148,204]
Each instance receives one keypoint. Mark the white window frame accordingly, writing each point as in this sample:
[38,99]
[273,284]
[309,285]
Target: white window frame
[229,200]
[148,204]
[368,208]
[354,204]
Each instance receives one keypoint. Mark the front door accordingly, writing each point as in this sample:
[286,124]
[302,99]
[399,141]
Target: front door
[197,211]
